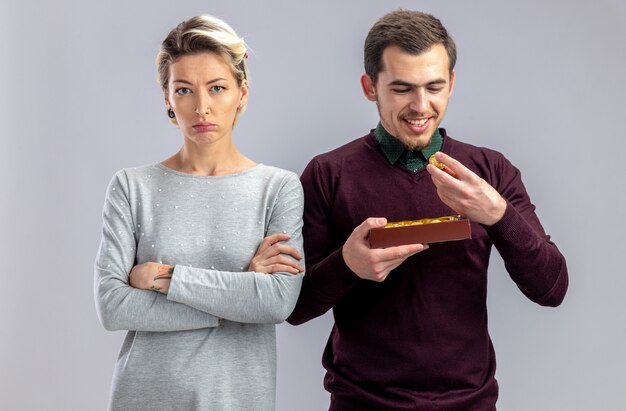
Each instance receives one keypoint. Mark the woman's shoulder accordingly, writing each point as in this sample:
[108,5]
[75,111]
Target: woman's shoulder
[277,174]
[128,176]
[279,181]
[142,172]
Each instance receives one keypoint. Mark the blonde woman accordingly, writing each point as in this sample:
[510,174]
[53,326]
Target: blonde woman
[200,253]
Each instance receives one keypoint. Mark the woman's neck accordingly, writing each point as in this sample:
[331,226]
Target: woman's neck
[209,160]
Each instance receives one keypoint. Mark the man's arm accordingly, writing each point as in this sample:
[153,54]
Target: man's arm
[332,272]
[532,260]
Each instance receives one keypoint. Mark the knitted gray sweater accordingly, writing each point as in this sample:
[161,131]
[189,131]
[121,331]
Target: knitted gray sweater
[209,344]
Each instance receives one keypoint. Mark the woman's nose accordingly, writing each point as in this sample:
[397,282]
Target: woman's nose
[202,105]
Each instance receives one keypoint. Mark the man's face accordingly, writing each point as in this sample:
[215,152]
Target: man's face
[411,93]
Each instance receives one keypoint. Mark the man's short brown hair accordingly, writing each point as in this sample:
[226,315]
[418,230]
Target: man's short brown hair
[413,31]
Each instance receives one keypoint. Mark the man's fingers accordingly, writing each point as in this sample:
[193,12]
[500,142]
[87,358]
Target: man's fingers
[443,179]
[441,175]
[453,166]
[401,252]
[390,258]
[373,222]
[362,230]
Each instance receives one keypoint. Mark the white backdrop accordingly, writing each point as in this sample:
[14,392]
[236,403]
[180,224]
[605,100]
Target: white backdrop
[540,81]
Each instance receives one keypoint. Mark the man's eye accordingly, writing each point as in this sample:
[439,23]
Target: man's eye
[435,89]
[183,90]
[401,90]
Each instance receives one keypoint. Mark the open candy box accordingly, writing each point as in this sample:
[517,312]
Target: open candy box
[427,230]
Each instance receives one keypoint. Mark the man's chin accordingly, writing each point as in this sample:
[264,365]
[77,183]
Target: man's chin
[416,144]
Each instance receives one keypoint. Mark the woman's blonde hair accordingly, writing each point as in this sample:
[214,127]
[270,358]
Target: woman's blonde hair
[202,34]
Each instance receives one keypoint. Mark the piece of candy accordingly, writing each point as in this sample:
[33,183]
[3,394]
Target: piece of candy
[422,221]
[432,160]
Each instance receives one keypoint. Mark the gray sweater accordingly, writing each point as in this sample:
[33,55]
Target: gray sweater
[210,344]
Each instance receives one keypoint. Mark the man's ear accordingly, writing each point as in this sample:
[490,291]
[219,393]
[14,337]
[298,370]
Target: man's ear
[451,83]
[368,87]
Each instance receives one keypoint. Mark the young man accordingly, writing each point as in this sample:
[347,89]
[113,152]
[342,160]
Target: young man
[411,321]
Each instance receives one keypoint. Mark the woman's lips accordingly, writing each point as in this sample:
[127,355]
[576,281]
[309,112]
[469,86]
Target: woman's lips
[202,127]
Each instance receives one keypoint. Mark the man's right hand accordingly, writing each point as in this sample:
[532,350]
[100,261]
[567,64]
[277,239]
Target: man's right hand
[374,263]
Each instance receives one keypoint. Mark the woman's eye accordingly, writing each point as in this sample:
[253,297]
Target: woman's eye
[183,90]
[217,89]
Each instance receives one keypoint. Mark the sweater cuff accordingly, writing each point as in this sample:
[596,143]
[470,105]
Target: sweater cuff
[175,291]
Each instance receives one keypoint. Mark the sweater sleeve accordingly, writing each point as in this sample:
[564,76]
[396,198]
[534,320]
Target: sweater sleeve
[249,297]
[327,278]
[532,260]
[120,306]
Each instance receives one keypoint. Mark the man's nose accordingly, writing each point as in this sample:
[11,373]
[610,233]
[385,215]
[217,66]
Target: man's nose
[419,101]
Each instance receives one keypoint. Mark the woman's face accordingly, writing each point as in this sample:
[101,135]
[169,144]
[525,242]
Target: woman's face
[205,97]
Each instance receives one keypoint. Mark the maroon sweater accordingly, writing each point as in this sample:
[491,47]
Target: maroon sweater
[418,340]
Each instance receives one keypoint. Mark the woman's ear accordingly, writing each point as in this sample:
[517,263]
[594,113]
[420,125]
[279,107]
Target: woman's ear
[243,97]
[166,97]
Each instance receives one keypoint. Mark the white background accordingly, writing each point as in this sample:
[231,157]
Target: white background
[540,81]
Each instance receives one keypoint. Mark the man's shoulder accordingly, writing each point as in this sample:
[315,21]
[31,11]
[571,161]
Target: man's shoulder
[488,163]
[350,150]
[458,148]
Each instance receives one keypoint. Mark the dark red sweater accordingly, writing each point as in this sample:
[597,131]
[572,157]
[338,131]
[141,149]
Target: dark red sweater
[418,340]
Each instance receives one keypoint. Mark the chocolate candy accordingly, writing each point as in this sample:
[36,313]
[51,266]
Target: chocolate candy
[422,221]
[432,160]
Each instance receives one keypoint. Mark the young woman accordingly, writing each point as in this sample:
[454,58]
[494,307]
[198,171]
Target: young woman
[200,253]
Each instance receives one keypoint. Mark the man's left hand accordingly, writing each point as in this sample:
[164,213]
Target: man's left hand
[466,193]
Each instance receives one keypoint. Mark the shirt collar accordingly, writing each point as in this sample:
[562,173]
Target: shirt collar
[395,152]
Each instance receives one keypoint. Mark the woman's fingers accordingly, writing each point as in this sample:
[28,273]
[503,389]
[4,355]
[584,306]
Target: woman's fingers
[273,239]
[272,245]
[280,248]
[281,263]
[274,256]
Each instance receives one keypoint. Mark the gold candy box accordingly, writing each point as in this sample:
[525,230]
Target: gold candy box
[426,230]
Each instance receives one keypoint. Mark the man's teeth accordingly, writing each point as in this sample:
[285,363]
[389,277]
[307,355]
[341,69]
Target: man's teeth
[419,122]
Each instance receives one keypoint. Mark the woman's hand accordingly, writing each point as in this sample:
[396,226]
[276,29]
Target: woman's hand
[151,276]
[272,256]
